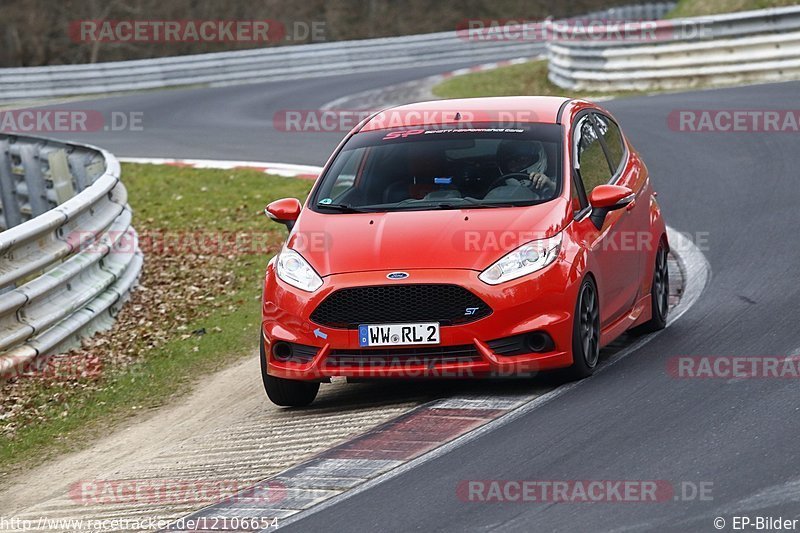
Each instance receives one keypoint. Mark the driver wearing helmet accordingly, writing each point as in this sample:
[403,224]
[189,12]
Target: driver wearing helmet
[526,157]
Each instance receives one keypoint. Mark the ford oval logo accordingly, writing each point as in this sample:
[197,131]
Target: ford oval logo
[397,275]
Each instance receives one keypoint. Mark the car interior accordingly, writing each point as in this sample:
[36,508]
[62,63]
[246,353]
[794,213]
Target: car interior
[434,171]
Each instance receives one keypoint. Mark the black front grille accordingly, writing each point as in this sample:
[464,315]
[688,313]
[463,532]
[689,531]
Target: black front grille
[387,357]
[446,304]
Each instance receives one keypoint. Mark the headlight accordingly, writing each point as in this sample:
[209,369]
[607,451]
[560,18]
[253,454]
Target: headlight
[524,260]
[294,270]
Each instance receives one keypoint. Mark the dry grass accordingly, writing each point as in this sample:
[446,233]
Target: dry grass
[196,310]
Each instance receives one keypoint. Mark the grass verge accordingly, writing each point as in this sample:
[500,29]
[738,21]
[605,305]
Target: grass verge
[515,80]
[697,8]
[196,311]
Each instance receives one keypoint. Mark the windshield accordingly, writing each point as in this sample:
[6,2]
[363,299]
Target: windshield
[443,168]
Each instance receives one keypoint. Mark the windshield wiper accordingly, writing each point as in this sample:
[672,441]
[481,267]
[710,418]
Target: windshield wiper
[473,204]
[413,204]
[467,202]
[343,208]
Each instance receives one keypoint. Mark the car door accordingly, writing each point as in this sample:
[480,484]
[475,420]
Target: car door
[631,173]
[601,160]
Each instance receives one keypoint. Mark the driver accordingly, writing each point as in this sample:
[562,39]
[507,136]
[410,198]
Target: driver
[526,157]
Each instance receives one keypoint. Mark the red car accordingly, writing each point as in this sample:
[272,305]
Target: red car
[460,238]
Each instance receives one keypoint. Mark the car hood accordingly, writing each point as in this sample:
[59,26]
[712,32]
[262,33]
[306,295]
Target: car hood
[469,239]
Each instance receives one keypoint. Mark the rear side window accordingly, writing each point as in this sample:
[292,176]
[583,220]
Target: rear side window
[594,167]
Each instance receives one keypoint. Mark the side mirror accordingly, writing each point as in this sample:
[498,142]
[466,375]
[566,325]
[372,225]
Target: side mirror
[607,198]
[284,211]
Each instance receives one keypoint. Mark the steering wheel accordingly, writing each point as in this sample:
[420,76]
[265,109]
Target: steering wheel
[504,177]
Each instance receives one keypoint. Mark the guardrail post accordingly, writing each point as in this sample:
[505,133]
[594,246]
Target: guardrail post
[37,194]
[8,193]
[77,164]
[61,176]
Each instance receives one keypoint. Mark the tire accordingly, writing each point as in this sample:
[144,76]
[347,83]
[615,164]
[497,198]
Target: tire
[659,295]
[287,392]
[585,332]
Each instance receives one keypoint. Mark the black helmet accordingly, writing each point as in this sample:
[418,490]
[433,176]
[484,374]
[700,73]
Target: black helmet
[521,156]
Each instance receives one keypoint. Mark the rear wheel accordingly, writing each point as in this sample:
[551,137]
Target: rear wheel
[287,392]
[659,294]
[585,332]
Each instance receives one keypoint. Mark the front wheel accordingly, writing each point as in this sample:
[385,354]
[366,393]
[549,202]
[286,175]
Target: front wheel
[287,392]
[585,332]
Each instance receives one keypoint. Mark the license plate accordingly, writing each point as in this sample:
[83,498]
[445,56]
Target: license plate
[398,334]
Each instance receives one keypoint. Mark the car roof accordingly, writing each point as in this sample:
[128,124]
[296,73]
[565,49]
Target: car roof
[541,109]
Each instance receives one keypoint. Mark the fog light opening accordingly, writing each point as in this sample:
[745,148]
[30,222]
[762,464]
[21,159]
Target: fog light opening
[282,351]
[539,341]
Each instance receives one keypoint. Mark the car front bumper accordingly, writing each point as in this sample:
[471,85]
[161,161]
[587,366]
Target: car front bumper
[540,302]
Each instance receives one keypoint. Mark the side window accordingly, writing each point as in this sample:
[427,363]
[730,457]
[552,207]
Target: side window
[591,157]
[612,137]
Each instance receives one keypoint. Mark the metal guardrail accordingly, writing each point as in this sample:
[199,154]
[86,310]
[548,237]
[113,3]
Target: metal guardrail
[68,253]
[751,46]
[277,63]
[249,66]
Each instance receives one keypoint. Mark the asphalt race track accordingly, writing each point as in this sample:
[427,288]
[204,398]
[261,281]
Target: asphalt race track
[736,194]
[233,123]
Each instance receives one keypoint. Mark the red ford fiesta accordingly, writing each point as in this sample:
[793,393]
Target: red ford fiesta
[477,237]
